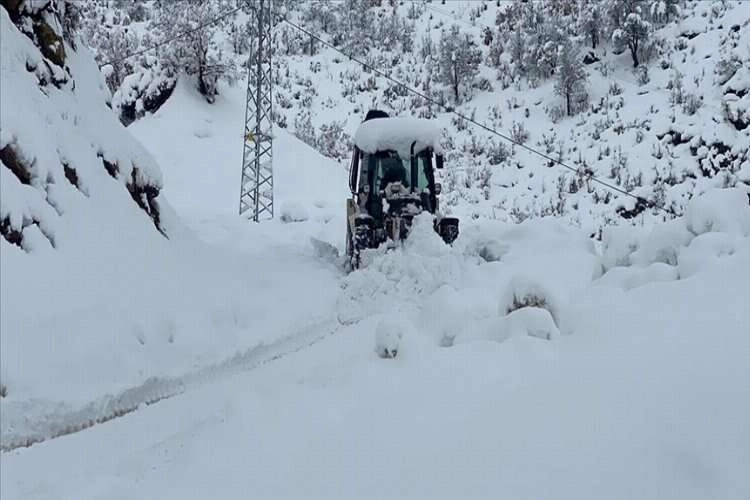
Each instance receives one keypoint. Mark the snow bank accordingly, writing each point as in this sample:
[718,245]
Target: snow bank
[719,210]
[715,225]
[398,134]
[454,295]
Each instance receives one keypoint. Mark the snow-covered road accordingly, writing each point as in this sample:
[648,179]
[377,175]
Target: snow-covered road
[648,398]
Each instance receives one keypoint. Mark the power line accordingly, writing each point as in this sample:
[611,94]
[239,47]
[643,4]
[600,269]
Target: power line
[172,39]
[450,109]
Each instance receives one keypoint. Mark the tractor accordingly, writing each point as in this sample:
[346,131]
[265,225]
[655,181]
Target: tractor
[392,179]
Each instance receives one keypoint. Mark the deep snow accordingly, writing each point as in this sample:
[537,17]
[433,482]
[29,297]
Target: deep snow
[643,396]
[623,382]
[115,302]
[532,361]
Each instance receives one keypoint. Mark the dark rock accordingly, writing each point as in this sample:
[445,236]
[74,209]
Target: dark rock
[145,197]
[590,58]
[16,164]
[71,175]
[11,234]
[13,8]
[112,168]
[50,43]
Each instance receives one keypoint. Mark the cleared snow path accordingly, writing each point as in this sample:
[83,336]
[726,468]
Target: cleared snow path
[63,420]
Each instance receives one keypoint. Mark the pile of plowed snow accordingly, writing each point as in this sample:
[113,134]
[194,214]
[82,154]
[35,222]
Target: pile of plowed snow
[502,280]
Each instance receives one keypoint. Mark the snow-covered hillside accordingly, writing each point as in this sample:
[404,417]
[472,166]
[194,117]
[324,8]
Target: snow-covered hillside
[674,127]
[214,357]
[103,286]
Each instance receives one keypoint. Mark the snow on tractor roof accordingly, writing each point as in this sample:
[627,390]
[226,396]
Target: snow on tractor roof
[398,134]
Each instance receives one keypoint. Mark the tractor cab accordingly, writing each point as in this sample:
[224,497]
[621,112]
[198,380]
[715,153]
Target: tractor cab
[392,179]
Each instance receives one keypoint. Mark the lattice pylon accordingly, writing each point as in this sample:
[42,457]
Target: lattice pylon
[256,191]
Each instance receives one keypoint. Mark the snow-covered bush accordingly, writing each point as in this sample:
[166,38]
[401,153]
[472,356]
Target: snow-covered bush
[333,142]
[143,91]
[518,133]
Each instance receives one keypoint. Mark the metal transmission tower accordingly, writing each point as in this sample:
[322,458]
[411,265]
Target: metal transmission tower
[256,191]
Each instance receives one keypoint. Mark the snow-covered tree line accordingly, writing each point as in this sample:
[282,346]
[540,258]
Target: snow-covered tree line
[117,28]
[565,53]
[528,41]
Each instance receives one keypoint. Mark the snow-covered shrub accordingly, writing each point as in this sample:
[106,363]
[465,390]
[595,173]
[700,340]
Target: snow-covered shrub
[691,103]
[143,92]
[524,291]
[497,152]
[571,78]
[614,88]
[304,129]
[333,142]
[459,60]
[676,88]
[727,66]
[642,76]
[518,133]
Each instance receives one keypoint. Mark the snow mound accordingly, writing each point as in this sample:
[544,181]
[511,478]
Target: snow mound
[398,134]
[526,292]
[388,335]
[454,295]
[719,210]
[714,226]
[292,211]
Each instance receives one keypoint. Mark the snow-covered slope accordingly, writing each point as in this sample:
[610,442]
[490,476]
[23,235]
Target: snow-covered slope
[100,291]
[675,127]
[199,148]
[664,139]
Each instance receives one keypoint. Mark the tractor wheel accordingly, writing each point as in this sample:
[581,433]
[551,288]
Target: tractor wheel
[447,228]
[351,249]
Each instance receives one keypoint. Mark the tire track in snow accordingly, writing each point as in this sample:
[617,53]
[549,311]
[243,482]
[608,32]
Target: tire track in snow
[64,420]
